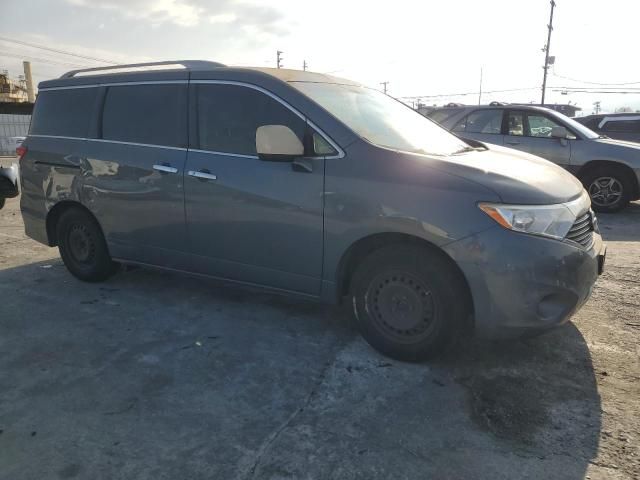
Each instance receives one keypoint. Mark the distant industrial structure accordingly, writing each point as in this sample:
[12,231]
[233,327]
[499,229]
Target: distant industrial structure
[17,91]
[16,104]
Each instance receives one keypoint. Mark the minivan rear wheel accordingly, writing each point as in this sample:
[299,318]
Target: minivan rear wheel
[82,246]
[609,189]
[408,302]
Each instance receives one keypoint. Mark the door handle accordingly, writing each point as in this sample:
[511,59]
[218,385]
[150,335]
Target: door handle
[202,174]
[513,142]
[165,169]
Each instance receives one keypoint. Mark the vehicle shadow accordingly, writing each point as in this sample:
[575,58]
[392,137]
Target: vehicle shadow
[164,376]
[621,226]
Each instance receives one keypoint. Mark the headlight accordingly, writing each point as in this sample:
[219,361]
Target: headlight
[547,220]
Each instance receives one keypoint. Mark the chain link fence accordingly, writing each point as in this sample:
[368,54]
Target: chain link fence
[13,129]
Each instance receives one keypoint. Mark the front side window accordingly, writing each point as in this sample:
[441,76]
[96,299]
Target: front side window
[229,115]
[147,114]
[540,126]
[65,113]
[481,121]
[380,119]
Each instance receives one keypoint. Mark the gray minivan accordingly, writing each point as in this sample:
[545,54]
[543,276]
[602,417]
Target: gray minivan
[307,184]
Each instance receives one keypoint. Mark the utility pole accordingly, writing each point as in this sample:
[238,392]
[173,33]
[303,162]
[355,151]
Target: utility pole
[304,65]
[546,49]
[596,106]
[279,58]
[480,93]
[384,86]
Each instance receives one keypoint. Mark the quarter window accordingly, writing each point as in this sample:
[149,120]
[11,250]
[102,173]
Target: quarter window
[481,121]
[148,114]
[65,113]
[229,115]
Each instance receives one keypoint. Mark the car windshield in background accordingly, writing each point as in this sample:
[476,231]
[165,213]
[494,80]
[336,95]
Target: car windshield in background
[382,120]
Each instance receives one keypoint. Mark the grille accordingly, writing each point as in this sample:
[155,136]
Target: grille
[582,230]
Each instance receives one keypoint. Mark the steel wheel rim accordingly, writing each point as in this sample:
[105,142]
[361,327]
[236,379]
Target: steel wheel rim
[402,306]
[606,191]
[81,246]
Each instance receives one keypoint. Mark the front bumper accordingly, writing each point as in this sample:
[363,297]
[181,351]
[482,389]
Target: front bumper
[521,284]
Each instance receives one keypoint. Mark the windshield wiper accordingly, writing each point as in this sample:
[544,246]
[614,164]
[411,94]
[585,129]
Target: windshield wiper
[469,149]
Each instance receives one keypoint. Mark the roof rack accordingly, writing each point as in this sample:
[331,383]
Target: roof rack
[140,67]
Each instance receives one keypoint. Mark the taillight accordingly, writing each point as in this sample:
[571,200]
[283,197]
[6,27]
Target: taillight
[21,152]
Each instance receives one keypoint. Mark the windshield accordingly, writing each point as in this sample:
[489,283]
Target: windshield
[576,126]
[382,120]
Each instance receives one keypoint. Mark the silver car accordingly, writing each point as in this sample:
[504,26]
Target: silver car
[609,169]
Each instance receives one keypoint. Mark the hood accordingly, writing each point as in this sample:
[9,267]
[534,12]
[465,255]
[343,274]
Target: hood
[516,177]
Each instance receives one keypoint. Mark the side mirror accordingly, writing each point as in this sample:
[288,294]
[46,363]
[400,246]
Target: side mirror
[559,132]
[278,143]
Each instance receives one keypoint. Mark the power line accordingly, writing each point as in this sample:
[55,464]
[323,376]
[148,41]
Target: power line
[591,83]
[471,93]
[63,52]
[621,92]
[43,60]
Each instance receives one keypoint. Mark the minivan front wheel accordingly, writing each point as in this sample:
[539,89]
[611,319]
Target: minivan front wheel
[82,246]
[609,189]
[408,302]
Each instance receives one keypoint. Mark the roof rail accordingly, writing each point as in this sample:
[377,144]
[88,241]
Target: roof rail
[187,64]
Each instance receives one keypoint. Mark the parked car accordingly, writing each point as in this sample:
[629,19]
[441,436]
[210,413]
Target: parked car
[621,126]
[8,145]
[307,184]
[8,183]
[609,169]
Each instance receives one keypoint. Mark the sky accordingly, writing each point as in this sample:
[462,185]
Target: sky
[423,48]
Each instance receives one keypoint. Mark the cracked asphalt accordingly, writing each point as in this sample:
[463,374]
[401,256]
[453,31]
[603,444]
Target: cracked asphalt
[158,376]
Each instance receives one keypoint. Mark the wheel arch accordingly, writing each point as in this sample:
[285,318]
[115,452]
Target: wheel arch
[364,246]
[54,215]
[594,164]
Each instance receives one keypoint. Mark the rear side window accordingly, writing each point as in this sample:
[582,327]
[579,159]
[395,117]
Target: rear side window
[65,113]
[481,121]
[622,126]
[149,114]
[229,115]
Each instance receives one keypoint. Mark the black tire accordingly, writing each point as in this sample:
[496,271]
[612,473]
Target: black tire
[409,302]
[82,246]
[2,200]
[607,198]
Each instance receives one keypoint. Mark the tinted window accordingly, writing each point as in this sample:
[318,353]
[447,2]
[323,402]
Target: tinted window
[622,126]
[151,114]
[481,121]
[229,115]
[65,113]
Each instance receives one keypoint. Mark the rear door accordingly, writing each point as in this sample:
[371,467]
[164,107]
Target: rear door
[249,219]
[484,125]
[530,132]
[134,182]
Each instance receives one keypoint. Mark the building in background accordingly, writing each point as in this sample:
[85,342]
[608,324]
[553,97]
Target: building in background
[12,91]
